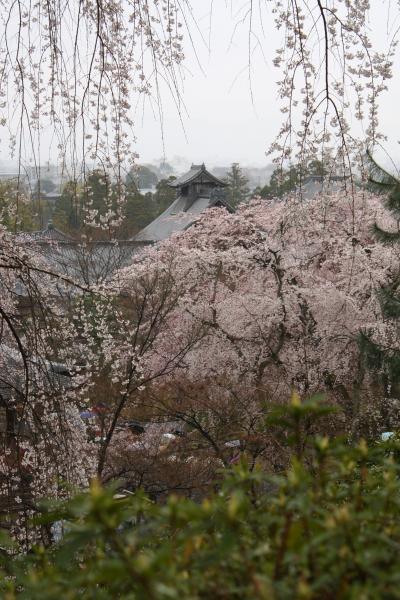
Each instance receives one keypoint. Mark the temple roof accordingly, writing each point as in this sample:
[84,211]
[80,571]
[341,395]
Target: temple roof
[178,217]
[52,374]
[194,172]
[50,234]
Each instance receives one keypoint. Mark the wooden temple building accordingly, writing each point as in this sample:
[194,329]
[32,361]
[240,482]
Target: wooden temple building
[196,191]
[95,262]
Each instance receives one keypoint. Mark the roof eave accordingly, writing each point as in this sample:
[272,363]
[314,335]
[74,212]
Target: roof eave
[190,179]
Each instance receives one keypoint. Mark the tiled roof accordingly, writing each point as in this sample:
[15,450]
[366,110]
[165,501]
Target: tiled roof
[50,234]
[177,217]
[195,171]
[84,263]
[12,378]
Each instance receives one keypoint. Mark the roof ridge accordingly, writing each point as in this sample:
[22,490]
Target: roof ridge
[194,171]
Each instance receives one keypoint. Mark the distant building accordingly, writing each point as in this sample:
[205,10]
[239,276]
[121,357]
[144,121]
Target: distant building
[96,261]
[316,184]
[13,176]
[47,235]
[50,197]
[196,190]
[84,262]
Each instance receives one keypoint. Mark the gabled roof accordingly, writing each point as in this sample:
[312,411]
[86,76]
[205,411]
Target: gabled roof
[195,171]
[50,234]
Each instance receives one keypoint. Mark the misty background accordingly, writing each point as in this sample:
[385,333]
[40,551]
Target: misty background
[228,110]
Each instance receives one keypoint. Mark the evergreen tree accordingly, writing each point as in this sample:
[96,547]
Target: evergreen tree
[284,181]
[316,167]
[237,190]
[67,209]
[381,181]
[44,185]
[98,191]
[386,360]
[16,213]
[140,210]
[164,195]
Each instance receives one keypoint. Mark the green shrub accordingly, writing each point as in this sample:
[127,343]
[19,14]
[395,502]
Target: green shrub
[328,528]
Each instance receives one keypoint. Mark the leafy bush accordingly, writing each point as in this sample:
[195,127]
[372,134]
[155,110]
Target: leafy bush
[327,528]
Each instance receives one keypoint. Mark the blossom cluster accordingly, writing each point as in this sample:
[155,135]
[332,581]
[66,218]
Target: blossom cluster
[278,293]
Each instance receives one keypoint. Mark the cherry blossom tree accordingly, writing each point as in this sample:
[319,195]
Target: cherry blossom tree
[210,329]
[72,72]
[284,292]
[44,447]
[223,319]
[76,69]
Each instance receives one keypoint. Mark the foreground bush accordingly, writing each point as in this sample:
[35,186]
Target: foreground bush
[328,528]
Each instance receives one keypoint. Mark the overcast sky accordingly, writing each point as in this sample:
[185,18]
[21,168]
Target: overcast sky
[222,123]
[224,119]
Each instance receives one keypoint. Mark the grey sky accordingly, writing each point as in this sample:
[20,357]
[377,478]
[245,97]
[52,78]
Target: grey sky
[222,121]
[222,124]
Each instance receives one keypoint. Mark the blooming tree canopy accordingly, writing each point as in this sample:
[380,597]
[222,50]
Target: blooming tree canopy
[282,291]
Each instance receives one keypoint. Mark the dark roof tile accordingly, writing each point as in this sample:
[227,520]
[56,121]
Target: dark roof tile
[178,217]
[195,171]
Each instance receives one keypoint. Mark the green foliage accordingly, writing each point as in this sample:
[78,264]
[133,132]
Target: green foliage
[68,208]
[382,182]
[98,191]
[387,360]
[316,167]
[389,297]
[16,213]
[164,195]
[44,185]
[237,190]
[284,181]
[139,210]
[327,528]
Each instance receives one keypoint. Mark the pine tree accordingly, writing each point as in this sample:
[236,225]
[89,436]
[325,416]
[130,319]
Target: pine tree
[68,208]
[285,181]
[140,210]
[282,181]
[237,191]
[385,360]
[164,195]
[383,182]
